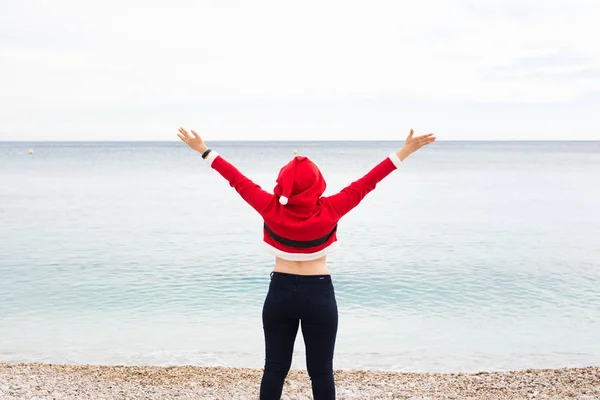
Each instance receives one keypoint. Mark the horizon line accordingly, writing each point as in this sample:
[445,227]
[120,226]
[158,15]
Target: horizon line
[288,140]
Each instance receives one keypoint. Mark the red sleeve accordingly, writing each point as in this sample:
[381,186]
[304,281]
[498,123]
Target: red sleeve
[352,195]
[250,191]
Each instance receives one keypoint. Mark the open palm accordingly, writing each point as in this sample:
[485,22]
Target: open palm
[414,143]
[194,140]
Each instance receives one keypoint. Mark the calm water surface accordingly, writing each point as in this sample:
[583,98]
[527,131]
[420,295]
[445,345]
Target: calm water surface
[474,255]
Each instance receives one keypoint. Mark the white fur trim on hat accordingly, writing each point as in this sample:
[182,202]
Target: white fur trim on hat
[283,200]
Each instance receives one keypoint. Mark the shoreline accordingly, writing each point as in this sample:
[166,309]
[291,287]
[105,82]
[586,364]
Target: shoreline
[59,381]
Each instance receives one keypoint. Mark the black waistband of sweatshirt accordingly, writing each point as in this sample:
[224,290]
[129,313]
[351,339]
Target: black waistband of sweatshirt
[300,244]
[294,278]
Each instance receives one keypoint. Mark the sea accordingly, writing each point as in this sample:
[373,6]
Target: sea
[472,256]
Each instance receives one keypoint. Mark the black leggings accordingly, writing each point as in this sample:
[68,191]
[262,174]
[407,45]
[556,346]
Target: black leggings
[309,301]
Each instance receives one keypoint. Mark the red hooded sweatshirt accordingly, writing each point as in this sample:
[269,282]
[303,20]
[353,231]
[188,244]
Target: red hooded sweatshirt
[299,223]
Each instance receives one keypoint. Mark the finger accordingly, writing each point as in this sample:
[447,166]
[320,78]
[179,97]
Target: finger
[182,137]
[425,136]
[195,134]
[185,133]
[410,135]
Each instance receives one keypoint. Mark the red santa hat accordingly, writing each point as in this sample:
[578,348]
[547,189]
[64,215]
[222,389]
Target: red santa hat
[300,183]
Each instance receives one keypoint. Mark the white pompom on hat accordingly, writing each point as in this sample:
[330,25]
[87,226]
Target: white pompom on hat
[286,180]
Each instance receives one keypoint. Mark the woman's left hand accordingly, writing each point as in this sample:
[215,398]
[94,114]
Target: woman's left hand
[194,140]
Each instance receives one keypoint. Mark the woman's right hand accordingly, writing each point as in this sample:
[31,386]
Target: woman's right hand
[414,143]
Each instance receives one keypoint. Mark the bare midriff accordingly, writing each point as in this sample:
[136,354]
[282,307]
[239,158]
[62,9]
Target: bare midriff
[312,267]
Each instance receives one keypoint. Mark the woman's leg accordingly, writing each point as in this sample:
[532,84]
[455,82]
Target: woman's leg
[280,325]
[319,329]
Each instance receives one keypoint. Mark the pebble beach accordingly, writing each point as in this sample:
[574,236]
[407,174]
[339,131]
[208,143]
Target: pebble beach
[50,381]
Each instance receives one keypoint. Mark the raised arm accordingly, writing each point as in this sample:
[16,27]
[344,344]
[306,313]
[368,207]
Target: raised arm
[252,193]
[353,194]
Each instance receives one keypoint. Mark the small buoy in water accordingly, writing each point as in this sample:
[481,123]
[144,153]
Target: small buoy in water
[295,151]
[30,151]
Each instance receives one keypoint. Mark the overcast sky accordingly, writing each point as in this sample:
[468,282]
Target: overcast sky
[340,70]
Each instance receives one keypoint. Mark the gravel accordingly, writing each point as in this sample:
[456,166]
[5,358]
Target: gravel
[50,381]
